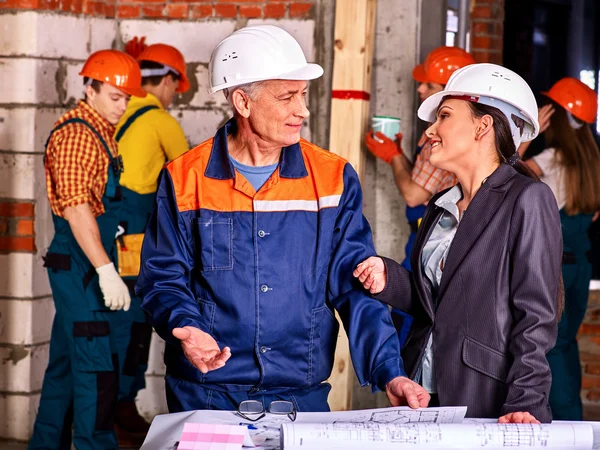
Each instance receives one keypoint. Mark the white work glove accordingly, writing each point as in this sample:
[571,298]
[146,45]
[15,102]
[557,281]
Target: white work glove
[115,291]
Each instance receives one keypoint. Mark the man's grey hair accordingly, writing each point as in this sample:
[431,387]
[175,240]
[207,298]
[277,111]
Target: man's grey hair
[250,89]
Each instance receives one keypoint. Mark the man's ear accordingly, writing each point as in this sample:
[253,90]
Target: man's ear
[486,124]
[90,92]
[241,102]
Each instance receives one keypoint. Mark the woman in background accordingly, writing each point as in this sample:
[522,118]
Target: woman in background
[571,167]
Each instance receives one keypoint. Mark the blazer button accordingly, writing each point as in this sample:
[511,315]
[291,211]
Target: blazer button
[264,349]
[261,233]
[264,288]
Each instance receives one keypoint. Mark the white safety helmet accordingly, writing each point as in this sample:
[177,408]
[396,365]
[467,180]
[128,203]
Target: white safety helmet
[493,85]
[263,52]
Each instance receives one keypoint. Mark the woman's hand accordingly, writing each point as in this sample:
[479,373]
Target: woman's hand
[544,115]
[371,273]
[518,417]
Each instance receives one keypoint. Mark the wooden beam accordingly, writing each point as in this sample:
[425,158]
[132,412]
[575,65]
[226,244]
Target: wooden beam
[354,37]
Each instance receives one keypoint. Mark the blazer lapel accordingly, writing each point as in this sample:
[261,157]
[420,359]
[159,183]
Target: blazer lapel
[480,211]
[422,283]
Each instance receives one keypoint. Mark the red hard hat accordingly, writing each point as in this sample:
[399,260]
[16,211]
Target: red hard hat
[169,56]
[576,97]
[115,68]
[440,64]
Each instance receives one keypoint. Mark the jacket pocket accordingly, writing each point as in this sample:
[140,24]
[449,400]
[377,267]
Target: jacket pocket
[323,339]
[214,242]
[92,347]
[485,360]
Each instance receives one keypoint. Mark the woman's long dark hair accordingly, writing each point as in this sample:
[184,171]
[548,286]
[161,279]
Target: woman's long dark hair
[505,146]
[577,152]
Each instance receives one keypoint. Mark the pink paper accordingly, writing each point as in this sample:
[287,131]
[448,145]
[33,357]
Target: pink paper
[209,436]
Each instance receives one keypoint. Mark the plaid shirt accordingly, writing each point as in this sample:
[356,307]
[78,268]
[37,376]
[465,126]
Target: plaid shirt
[428,177]
[76,162]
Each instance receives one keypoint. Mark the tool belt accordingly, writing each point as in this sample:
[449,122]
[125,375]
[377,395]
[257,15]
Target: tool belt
[129,249]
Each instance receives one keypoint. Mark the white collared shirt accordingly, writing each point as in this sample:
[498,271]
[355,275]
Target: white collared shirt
[433,260]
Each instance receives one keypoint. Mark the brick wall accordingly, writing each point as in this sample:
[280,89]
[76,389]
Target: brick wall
[487,29]
[589,349]
[176,9]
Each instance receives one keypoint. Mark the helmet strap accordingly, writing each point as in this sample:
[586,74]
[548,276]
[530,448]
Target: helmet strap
[575,123]
[159,71]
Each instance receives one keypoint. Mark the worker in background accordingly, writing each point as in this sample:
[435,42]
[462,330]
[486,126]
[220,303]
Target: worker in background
[416,178]
[148,137]
[82,177]
[251,248]
[570,166]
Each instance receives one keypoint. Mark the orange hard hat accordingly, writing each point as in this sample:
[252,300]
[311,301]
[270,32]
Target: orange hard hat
[115,68]
[168,56]
[576,97]
[440,64]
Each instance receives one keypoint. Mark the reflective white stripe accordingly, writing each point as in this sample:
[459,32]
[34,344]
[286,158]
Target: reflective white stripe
[330,201]
[156,72]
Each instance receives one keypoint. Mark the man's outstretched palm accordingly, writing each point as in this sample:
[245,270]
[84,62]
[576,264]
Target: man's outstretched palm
[201,349]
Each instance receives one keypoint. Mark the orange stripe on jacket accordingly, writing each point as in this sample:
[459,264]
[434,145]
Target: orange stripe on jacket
[194,191]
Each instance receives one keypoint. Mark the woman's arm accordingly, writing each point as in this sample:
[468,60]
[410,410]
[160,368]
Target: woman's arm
[536,256]
[387,281]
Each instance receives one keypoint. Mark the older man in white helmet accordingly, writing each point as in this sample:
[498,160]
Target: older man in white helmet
[251,248]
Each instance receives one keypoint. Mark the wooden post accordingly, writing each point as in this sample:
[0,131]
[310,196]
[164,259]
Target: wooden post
[351,88]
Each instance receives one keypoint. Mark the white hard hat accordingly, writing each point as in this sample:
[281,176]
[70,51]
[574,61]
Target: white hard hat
[262,52]
[493,85]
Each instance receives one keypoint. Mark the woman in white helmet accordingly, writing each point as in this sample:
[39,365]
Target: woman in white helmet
[484,290]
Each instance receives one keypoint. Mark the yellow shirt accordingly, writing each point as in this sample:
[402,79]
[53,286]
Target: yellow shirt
[152,139]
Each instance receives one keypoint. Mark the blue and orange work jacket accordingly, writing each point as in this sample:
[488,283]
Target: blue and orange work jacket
[262,272]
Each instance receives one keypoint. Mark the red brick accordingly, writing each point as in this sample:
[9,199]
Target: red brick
[590,329]
[16,209]
[593,396]
[17,244]
[3,226]
[250,12]
[94,8]
[239,1]
[149,1]
[482,12]
[592,368]
[25,227]
[226,10]
[300,9]
[23,4]
[65,5]
[590,382]
[177,10]
[491,28]
[110,11]
[201,11]
[128,11]
[50,4]
[274,11]
[77,6]
[153,10]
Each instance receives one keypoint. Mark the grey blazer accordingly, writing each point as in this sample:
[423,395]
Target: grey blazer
[496,314]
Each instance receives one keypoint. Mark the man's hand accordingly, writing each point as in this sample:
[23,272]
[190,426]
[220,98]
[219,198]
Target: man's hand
[371,273]
[402,391]
[518,417]
[114,289]
[382,146]
[201,349]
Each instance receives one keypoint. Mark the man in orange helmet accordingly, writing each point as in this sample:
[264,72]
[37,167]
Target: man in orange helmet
[82,178]
[416,178]
[148,137]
